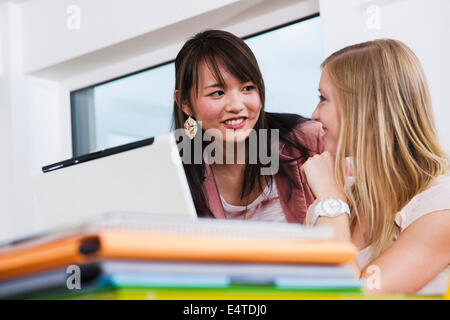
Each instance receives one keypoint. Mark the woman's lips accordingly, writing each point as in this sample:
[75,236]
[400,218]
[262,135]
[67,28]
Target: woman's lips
[235,123]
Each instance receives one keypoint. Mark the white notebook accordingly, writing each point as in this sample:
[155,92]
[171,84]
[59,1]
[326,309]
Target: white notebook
[179,225]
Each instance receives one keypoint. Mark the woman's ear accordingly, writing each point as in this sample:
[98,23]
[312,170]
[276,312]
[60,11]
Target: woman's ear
[183,105]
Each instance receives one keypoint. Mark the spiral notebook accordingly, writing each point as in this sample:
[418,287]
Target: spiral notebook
[141,237]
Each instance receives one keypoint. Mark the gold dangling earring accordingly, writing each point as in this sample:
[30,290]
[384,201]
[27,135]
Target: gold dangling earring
[190,127]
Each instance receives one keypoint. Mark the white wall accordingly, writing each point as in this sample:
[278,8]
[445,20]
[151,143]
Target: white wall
[6,223]
[102,24]
[42,61]
[24,105]
[424,25]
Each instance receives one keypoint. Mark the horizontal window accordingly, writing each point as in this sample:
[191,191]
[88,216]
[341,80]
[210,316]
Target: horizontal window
[140,105]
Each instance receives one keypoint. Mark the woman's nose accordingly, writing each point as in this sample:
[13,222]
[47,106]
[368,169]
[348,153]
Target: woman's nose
[235,103]
[315,115]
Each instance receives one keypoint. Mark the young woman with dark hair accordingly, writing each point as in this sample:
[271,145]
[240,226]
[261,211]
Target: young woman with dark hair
[219,87]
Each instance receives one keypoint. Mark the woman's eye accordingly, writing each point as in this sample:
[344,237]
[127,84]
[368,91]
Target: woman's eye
[321,98]
[217,93]
[249,88]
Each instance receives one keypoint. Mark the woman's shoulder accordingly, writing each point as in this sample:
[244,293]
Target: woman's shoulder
[296,131]
[434,198]
[310,133]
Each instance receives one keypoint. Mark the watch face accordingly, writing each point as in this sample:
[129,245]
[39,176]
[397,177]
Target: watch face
[332,206]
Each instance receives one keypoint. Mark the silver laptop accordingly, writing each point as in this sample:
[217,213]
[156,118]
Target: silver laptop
[145,177]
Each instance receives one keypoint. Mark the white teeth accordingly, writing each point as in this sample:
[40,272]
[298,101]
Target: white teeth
[237,121]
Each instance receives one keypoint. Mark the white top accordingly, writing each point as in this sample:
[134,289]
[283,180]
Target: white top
[267,207]
[435,198]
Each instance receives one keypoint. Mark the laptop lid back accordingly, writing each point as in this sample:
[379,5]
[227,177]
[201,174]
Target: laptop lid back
[147,179]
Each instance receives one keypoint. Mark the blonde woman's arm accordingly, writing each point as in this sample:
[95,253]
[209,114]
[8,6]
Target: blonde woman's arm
[421,251]
[319,172]
[419,254]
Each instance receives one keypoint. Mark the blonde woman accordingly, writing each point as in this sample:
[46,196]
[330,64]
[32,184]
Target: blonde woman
[375,109]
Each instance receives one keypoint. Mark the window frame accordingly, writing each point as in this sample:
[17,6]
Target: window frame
[87,132]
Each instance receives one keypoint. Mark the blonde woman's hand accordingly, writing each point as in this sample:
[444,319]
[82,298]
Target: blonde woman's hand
[309,218]
[319,172]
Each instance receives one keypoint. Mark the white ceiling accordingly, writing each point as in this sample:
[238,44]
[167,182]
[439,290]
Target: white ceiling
[13,1]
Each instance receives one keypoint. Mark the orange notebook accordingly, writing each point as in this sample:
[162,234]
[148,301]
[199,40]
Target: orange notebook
[140,245]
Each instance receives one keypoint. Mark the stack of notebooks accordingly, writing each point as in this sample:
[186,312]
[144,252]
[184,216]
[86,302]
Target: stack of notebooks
[134,256]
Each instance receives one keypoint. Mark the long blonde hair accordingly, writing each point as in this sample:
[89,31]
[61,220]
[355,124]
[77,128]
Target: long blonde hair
[387,129]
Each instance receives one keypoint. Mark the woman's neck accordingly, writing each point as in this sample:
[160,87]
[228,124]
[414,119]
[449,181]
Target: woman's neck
[233,171]
[234,153]
[234,159]
[229,175]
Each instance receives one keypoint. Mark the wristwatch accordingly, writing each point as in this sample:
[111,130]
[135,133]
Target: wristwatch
[330,208]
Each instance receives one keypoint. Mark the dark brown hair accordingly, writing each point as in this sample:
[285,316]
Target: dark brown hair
[216,48]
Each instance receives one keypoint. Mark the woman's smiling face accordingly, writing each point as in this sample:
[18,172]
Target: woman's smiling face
[232,107]
[327,112]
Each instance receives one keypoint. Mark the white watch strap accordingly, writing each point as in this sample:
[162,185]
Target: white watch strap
[318,211]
